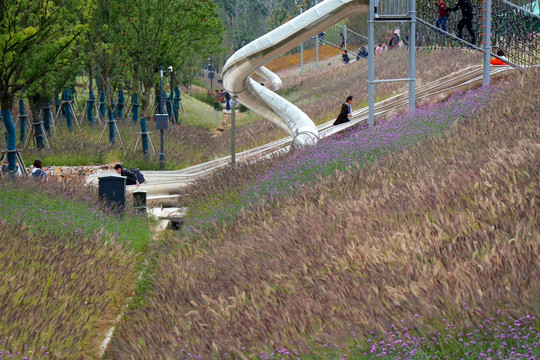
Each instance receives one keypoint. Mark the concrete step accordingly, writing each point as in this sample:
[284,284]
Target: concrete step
[162,201]
[172,214]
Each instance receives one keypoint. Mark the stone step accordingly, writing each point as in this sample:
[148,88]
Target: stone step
[173,214]
[162,201]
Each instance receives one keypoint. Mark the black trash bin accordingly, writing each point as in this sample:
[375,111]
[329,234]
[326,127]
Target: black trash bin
[139,197]
[113,189]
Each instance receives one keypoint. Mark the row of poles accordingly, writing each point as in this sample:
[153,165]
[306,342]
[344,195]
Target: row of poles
[49,114]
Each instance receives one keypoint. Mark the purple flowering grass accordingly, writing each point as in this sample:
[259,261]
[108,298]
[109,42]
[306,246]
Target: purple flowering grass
[359,146]
[502,337]
[65,216]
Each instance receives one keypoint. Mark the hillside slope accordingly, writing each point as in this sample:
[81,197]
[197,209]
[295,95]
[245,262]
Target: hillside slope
[447,221]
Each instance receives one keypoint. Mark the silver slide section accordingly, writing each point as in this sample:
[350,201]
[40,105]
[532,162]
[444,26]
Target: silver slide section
[252,57]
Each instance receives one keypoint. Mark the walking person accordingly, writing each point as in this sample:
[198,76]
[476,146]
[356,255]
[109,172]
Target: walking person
[440,23]
[443,14]
[346,112]
[342,40]
[345,57]
[466,18]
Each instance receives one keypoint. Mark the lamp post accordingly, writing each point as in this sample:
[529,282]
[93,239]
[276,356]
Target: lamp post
[233,103]
[162,119]
[162,153]
[210,72]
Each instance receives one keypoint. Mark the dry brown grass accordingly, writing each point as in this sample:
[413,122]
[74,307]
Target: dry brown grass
[289,60]
[321,96]
[453,219]
[62,295]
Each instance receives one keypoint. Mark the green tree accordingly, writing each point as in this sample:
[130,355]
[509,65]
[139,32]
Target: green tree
[105,41]
[246,20]
[168,33]
[35,38]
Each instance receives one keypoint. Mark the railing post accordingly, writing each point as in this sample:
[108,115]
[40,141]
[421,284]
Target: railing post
[317,42]
[487,42]
[301,53]
[412,56]
[233,102]
[345,36]
[371,66]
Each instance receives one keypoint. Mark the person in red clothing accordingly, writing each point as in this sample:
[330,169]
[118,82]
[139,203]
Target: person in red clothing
[443,15]
[497,61]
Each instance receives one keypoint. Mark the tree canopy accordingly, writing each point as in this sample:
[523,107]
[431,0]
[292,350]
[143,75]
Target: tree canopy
[36,39]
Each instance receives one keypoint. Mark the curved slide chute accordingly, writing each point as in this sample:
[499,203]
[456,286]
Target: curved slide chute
[252,58]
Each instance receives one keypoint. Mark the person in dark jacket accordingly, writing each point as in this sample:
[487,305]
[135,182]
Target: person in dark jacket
[362,54]
[466,18]
[131,178]
[345,57]
[227,101]
[346,112]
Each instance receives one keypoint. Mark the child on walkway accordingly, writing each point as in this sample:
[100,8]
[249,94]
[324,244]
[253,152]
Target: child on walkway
[443,15]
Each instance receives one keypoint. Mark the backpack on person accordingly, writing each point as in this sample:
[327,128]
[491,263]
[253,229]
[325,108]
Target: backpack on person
[139,175]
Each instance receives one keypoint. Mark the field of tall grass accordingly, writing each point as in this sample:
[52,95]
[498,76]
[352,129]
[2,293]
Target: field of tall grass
[69,266]
[310,56]
[416,239]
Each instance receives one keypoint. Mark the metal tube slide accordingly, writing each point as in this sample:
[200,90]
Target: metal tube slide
[250,58]
[270,76]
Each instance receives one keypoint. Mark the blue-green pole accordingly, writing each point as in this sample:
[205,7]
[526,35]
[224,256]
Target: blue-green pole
[135,107]
[66,110]
[120,105]
[144,136]
[176,104]
[102,105]
[47,117]
[90,108]
[11,140]
[22,120]
[38,131]
[112,134]
[169,105]
[56,104]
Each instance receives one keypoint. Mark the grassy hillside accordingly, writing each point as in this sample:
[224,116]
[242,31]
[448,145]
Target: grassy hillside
[422,233]
[68,269]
